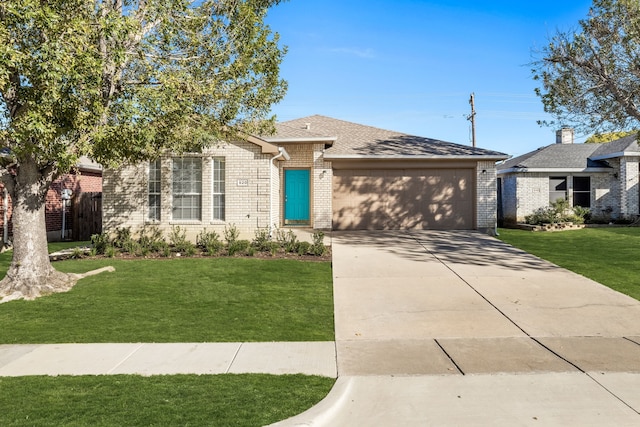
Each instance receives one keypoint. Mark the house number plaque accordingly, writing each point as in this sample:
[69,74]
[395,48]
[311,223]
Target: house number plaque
[243,182]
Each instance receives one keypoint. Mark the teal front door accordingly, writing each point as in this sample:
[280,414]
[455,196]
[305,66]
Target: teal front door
[296,196]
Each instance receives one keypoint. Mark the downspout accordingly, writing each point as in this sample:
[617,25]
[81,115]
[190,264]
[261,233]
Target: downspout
[282,153]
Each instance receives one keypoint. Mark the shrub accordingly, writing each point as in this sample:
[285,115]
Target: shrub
[288,241]
[209,242]
[123,236]
[178,239]
[238,247]
[318,248]
[77,253]
[231,234]
[151,240]
[100,243]
[262,240]
[110,252]
[303,248]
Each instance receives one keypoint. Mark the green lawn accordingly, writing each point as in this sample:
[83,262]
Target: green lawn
[170,300]
[177,400]
[180,300]
[610,256]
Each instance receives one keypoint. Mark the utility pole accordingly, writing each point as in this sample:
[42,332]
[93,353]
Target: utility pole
[472,117]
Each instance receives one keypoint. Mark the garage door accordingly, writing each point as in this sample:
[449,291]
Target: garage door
[440,199]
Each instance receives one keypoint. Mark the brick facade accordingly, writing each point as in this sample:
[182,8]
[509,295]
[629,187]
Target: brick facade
[614,194]
[486,196]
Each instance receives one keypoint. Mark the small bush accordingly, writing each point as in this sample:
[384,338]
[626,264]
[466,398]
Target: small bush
[123,236]
[318,248]
[151,240]
[238,247]
[288,241]
[303,248]
[110,252]
[231,234]
[262,241]
[209,242]
[178,239]
[77,253]
[100,243]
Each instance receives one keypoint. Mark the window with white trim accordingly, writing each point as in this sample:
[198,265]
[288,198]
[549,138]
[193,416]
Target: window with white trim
[218,181]
[187,189]
[154,190]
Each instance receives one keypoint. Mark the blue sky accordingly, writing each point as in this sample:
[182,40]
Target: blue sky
[411,65]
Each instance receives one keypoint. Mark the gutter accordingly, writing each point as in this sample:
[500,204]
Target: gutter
[618,154]
[282,153]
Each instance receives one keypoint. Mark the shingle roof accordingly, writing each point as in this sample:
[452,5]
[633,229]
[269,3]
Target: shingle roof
[555,156]
[626,144]
[573,156]
[356,140]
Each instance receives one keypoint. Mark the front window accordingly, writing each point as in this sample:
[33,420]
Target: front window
[582,191]
[187,188]
[218,189]
[154,190]
[557,188]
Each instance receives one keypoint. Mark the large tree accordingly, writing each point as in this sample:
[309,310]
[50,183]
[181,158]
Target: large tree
[591,76]
[120,81]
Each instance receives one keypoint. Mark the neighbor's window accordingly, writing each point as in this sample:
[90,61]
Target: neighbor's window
[557,188]
[187,188]
[218,188]
[154,190]
[582,191]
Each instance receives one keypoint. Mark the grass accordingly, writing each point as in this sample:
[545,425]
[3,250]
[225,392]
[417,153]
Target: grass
[178,400]
[610,256]
[180,300]
[176,300]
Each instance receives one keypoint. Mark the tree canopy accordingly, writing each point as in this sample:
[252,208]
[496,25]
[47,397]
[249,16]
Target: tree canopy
[598,138]
[120,81]
[590,77]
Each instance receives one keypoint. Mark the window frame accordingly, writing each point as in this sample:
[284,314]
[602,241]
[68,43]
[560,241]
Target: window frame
[581,193]
[185,188]
[562,180]
[218,189]
[154,191]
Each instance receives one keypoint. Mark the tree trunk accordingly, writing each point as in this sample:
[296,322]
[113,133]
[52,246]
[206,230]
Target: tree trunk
[31,274]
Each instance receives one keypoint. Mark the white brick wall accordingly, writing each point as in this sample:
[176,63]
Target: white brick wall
[524,193]
[486,195]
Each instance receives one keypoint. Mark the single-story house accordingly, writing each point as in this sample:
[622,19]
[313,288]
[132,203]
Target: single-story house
[601,177]
[82,213]
[315,172]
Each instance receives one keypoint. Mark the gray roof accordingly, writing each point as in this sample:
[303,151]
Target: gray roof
[352,140]
[623,145]
[573,156]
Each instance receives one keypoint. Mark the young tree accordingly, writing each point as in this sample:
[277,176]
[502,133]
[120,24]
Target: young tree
[591,77]
[120,81]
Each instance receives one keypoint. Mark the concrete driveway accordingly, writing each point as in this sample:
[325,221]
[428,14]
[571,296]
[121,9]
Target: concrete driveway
[457,328]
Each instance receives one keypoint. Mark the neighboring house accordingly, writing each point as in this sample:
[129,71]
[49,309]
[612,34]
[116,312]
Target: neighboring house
[86,180]
[601,177]
[315,172]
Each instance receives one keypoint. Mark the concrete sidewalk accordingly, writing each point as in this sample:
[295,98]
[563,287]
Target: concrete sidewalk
[457,328]
[310,358]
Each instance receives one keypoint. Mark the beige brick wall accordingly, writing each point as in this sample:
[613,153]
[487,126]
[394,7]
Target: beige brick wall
[486,195]
[310,156]
[524,193]
[247,193]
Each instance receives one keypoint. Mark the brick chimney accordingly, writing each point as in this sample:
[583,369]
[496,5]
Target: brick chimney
[564,136]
